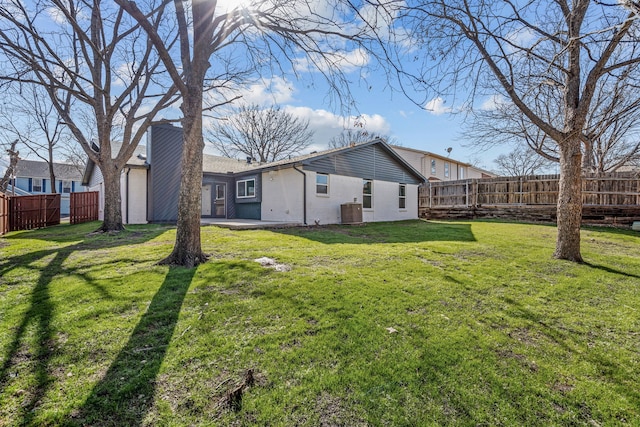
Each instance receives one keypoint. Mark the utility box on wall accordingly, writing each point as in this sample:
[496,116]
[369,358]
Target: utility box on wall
[351,213]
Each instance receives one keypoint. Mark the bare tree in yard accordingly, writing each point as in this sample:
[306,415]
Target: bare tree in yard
[30,116]
[270,29]
[609,138]
[541,56]
[521,161]
[96,66]
[265,135]
[14,157]
[359,136]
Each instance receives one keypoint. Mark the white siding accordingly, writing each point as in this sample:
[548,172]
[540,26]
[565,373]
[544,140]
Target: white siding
[385,203]
[421,160]
[283,198]
[137,196]
[326,209]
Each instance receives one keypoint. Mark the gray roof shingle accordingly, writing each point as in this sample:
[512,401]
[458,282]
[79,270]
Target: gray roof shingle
[40,169]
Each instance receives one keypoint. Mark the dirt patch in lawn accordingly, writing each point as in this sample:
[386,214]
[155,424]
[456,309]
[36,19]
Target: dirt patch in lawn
[333,412]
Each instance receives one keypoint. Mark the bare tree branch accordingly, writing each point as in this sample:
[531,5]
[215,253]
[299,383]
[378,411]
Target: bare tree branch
[265,135]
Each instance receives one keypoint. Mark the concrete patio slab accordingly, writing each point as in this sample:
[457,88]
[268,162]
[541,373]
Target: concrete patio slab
[247,224]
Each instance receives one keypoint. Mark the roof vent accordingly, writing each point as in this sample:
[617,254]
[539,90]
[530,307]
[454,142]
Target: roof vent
[248,160]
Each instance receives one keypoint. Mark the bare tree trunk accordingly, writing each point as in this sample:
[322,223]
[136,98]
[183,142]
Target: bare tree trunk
[588,160]
[187,251]
[13,161]
[112,199]
[569,202]
[52,174]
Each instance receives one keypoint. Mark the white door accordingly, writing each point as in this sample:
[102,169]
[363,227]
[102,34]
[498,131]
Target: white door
[206,200]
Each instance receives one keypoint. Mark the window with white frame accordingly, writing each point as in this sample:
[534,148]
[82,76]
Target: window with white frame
[402,196]
[322,183]
[446,169]
[66,187]
[433,166]
[367,194]
[36,185]
[246,188]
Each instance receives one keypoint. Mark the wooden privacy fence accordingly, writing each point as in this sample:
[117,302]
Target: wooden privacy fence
[84,207]
[29,212]
[4,214]
[615,195]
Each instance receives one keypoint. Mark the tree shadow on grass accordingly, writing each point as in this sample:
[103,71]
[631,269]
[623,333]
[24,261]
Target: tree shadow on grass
[611,270]
[613,371]
[125,393]
[33,345]
[414,231]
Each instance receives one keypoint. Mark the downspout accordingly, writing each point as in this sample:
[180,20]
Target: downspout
[126,194]
[304,194]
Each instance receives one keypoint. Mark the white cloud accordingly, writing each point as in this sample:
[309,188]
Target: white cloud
[345,62]
[493,102]
[123,74]
[56,15]
[522,38]
[437,107]
[326,124]
[277,90]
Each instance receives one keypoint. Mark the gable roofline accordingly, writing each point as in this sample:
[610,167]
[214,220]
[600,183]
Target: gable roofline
[438,156]
[306,159]
[430,154]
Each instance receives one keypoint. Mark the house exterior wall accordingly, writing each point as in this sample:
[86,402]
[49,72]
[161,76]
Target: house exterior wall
[164,154]
[249,207]
[283,195]
[133,190]
[370,162]
[386,201]
[285,198]
[421,161]
[229,182]
[325,209]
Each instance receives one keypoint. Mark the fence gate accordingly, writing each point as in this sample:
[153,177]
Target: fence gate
[37,211]
[84,207]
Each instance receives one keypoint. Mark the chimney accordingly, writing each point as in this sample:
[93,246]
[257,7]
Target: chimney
[248,160]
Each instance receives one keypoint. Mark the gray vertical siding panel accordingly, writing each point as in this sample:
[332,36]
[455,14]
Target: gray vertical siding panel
[365,162]
[165,154]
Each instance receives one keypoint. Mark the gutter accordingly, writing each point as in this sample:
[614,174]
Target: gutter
[304,194]
[126,194]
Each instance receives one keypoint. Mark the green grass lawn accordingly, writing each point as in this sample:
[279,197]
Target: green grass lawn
[396,324]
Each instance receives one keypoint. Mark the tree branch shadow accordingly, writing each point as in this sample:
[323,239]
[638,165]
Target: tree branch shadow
[611,270]
[32,344]
[39,353]
[125,394]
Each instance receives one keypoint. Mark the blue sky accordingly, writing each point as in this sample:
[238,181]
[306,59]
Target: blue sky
[430,126]
[382,110]
[385,111]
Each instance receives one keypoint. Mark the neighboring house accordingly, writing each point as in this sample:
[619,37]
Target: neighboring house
[440,168]
[32,177]
[308,189]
